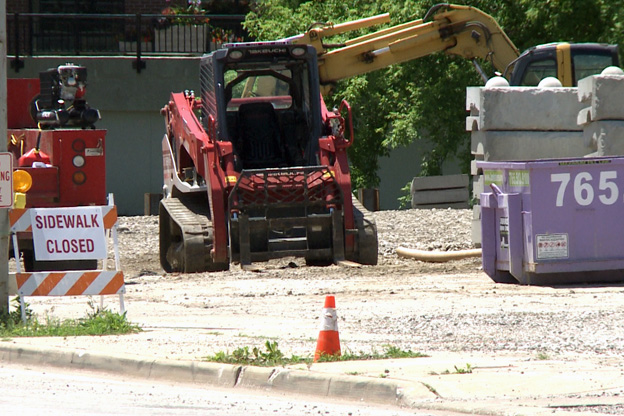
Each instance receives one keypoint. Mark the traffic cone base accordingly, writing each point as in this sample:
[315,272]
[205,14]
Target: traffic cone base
[328,340]
[328,344]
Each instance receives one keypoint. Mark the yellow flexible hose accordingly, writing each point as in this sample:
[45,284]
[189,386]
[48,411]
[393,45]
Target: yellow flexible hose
[437,256]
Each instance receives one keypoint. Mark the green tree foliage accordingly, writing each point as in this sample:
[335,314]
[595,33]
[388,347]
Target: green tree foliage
[425,99]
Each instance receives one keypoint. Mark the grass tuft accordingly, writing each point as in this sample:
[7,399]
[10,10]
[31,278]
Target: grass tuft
[274,357]
[97,322]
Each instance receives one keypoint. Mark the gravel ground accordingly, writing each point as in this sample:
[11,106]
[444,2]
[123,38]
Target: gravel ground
[437,229]
[449,306]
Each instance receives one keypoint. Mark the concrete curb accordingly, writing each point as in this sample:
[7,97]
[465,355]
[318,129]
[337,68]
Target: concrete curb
[225,375]
[180,371]
[405,393]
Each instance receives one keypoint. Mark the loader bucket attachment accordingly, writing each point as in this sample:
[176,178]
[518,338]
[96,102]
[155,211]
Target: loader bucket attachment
[282,212]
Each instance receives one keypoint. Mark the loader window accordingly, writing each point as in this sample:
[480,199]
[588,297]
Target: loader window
[273,98]
[537,71]
[586,64]
[262,86]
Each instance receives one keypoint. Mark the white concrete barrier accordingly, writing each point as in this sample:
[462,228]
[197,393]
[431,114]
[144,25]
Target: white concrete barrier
[522,108]
[602,97]
[528,145]
[605,137]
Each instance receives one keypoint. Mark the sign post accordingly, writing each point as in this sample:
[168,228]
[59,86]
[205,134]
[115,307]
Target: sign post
[4,211]
[6,180]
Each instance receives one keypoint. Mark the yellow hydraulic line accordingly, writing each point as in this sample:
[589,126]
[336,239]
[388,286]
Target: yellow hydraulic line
[384,32]
[339,28]
[316,35]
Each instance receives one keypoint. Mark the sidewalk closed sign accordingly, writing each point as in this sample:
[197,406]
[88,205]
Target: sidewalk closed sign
[75,233]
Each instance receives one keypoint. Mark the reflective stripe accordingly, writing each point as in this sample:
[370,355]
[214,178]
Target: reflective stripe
[329,320]
[97,282]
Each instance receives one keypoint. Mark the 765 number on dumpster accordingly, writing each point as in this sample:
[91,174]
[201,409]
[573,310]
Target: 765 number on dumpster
[583,187]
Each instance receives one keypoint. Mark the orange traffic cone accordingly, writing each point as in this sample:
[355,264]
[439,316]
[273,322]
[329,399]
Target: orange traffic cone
[328,341]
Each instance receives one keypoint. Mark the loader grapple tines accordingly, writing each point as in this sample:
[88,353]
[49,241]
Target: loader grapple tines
[287,187]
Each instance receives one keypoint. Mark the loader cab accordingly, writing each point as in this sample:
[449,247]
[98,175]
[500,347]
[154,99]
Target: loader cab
[567,62]
[265,100]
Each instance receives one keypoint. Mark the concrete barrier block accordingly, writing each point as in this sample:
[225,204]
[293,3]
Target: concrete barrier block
[445,205]
[605,138]
[477,187]
[478,144]
[585,88]
[447,191]
[530,145]
[472,123]
[526,108]
[473,100]
[474,170]
[584,116]
[439,182]
[476,212]
[440,196]
[476,233]
[605,94]
[475,225]
[608,98]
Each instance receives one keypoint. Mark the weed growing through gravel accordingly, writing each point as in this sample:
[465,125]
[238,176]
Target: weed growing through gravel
[463,370]
[458,370]
[272,356]
[97,322]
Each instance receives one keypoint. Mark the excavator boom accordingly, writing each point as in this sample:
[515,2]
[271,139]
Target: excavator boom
[453,29]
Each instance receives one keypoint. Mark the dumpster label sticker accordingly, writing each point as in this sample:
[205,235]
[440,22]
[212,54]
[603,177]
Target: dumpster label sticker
[493,177]
[519,178]
[552,246]
[503,227]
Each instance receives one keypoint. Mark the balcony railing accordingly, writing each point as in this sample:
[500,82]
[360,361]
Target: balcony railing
[55,34]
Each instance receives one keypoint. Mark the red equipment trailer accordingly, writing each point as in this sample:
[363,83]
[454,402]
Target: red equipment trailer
[52,137]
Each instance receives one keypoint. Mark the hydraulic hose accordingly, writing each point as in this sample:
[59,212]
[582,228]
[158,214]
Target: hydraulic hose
[437,256]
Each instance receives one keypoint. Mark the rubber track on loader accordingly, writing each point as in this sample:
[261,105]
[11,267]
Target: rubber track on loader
[193,220]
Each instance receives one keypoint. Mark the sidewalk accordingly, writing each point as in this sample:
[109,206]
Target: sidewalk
[503,384]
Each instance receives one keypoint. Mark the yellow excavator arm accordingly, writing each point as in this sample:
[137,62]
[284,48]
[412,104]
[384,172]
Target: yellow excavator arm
[453,29]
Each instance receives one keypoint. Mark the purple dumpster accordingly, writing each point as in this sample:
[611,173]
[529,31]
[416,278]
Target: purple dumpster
[555,221]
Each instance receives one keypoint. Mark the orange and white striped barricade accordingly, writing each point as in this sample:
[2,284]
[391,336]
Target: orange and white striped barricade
[74,282]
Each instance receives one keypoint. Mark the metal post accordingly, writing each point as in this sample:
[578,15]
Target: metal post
[4,212]
[138,64]
[17,63]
